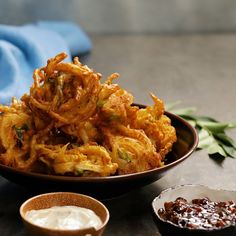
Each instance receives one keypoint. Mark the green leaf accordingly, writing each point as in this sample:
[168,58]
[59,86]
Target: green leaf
[216,148]
[232,126]
[198,118]
[205,139]
[184,111]
[215,127]
[206,118]
[212,136]
[230,151]
[225,139]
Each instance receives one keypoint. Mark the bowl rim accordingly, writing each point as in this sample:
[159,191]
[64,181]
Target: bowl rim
[155,211]
[116,177]
[65,230]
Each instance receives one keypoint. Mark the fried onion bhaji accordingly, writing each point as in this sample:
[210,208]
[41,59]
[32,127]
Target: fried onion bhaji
[15,135]
[114,103]
[86,160]
[156,125]
[72,124]
[64,92]
[131,149]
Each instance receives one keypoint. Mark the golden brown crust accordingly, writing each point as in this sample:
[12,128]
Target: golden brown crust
[71,124]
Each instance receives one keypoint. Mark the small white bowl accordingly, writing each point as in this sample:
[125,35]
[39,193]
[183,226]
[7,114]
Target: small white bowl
[63,199]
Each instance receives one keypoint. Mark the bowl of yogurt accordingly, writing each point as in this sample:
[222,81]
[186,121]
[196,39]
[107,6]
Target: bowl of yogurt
[64,214]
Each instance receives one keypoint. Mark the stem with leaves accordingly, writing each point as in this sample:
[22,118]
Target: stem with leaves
[212,133]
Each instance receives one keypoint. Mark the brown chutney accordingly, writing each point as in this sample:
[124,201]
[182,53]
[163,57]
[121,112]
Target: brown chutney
[199,214]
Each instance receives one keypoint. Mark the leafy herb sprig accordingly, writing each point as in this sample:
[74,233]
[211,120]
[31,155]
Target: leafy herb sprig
[212,133]
[20,131]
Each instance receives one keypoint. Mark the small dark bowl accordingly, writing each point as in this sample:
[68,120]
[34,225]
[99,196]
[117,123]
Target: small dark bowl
[110,186]
[190,192]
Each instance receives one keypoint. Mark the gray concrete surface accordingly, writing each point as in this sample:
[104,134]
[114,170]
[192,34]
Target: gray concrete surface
[127,16]
[200,71]
[197,69]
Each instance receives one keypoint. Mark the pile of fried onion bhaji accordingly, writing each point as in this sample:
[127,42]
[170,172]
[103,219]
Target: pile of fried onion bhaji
[72,124]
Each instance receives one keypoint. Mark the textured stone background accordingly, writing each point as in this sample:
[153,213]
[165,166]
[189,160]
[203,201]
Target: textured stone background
[198,69]
[132,16]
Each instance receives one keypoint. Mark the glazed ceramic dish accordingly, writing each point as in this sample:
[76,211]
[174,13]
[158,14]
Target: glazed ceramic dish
[190,192]
[64,199]
[187,141]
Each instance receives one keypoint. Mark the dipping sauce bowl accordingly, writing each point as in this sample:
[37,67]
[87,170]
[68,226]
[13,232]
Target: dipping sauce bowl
[192,192]
[48,200]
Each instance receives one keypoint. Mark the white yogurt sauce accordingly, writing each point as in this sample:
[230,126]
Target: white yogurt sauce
[64,217]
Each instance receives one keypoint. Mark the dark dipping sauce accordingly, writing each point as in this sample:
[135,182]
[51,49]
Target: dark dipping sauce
[199,214]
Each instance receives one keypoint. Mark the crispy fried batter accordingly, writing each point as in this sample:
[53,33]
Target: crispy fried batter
[16,131]
[156,125]
[86,160]
[113,101]
[131,149]
[71,124]
[65,92]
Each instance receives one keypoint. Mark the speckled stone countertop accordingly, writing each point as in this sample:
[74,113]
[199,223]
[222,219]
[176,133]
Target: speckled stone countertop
[200,71]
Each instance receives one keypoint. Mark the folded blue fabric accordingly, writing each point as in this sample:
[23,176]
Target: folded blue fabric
[78,42]
[25,48]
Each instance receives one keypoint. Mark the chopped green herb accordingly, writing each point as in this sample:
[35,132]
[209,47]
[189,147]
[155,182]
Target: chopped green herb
[124,155]
[100,103]
[80,172]
[20,131]
[25,127]
[114,118]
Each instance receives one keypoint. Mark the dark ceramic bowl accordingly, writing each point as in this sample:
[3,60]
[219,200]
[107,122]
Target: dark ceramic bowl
[63,199]
[187,140]
[190,192]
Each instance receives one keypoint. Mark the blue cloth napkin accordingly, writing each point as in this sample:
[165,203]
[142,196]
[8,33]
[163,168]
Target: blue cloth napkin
[79,43]
[25,48]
